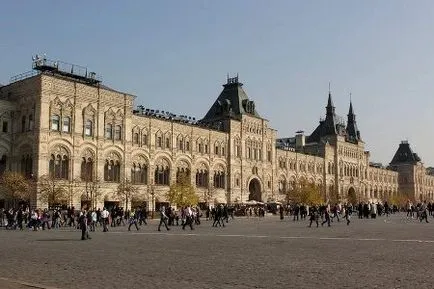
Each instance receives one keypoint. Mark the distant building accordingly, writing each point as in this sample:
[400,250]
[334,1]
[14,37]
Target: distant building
[61,121]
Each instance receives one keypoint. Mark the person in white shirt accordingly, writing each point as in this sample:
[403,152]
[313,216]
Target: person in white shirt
[189,218]
[105,219]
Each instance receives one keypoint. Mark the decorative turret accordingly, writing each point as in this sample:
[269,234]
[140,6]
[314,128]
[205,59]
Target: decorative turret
[231,103]
[329,122]
[330,108]
[353,134]
[404,154]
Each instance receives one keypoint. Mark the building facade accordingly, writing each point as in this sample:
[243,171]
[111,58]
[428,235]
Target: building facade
[89,138]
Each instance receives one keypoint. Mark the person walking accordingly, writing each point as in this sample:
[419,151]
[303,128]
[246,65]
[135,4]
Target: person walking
[133,220]
[314,216]
[326,217]
[281,212]
[163,219]
[189,218]
[347,214]
[83,226]
[105,219]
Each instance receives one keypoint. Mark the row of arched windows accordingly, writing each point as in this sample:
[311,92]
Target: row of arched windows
[59,166]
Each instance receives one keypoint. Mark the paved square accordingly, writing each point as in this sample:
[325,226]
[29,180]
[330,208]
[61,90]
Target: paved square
[248,253]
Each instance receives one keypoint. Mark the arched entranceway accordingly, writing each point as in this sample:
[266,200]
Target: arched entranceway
[352,197]
[255,190]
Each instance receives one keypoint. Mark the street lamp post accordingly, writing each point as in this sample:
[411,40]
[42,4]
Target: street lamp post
[153,201]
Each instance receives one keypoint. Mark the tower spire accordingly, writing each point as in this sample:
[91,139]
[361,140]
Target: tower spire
[351,107]
[353,134]
[330,108]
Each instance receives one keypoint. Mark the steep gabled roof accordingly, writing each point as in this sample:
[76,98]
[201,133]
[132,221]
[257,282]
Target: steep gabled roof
[231,103]
[404,154]
[328,125]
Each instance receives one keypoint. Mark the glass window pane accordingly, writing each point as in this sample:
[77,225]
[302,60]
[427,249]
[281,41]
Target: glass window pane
[88,128]
[55,122]
[66,124]
[108,131]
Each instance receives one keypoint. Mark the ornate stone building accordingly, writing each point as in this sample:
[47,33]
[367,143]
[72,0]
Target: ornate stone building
[62,122]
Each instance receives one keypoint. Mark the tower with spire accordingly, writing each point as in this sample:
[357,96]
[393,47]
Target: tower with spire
[353,134]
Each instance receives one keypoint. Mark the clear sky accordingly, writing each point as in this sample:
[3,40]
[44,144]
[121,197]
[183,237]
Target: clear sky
[175,55]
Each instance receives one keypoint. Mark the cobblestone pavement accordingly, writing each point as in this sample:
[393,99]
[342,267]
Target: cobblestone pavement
[247,253]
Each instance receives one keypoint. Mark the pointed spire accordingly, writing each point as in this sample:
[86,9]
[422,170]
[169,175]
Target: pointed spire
[352,132]
[330,108]
[351,107]
[330,101]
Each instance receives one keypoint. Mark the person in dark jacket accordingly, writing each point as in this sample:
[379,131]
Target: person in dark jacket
[83,226]
[163,219]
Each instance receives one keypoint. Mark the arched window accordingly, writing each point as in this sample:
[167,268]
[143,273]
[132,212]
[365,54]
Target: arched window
[55,122]
[118,132]
[88,128]
[109,131]
[139,173]
[145,140]
[202,177]
[66,124]
[2,164]
[112,170]
[183,170]
[30,125]
[26,165]
[282,186]
[23,123]
[136,138]
[219,178]
[162,173]
[87,169]
[59,166]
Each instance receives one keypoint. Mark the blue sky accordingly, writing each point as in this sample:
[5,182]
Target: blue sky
[174,55]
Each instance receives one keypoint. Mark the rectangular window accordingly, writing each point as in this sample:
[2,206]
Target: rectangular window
[66,124]
[23,124]
[206,148]
[223,151]
[108,131]
[269,156]
[55,119]
[30,122]
[118,132]
[88,128]
[5,126]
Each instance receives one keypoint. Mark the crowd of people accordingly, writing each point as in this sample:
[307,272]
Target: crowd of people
[190,216]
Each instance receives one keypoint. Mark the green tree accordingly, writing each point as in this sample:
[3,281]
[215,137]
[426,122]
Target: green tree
[126,191]
[182,193]
[306,193]
[52,192]
[15,187]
